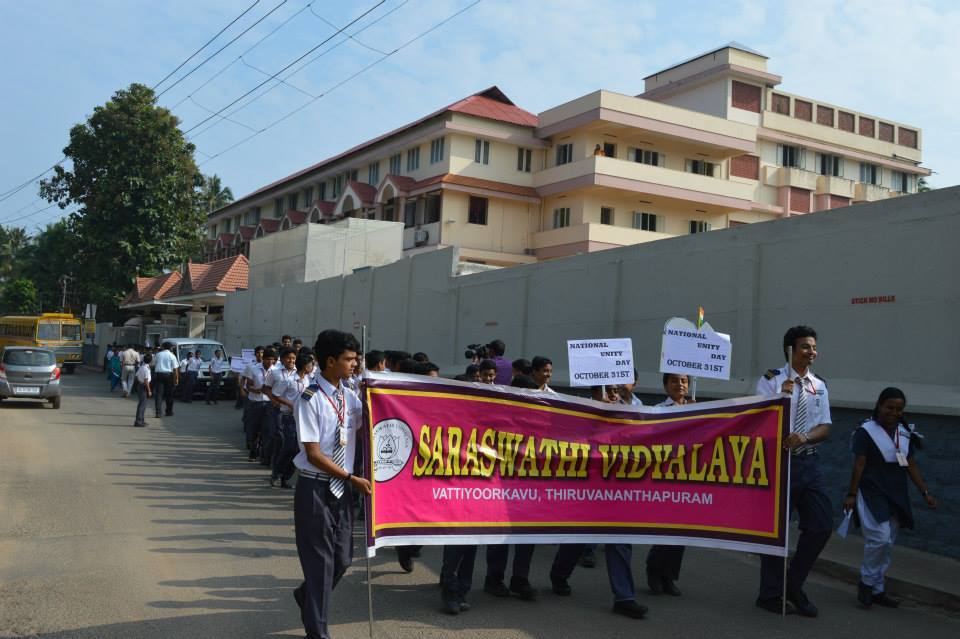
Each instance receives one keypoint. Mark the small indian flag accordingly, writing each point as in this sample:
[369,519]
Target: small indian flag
[700,317]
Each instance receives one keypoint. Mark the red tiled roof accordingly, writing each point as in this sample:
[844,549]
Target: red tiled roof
[490,103]
[153,288]
[221,276]
[402,182]
[325,207]
[225,239]
[269,225]
[365,192]
[246,232]
[477,183]
[296,217]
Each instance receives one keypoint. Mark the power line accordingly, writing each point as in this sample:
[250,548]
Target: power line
[344,81]
[301,68]
[9,194]
[194,54]
[338,32]
[235,60]
[330,24]
[217,52]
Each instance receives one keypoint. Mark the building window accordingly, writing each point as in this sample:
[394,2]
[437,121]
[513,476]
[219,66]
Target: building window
[394,165]
[478,210]
[410,214]
[561,217]
[907,137]
[436,151]
[609,150]
[524,159]
[322,191]
[830,165]
[792,156]
[229,224]
[606,215]
[277,207]
[885,132]
[803,110]
[352,175]
[307,197]
[745,96]
[781,104]
[564,153]
[646,156]
[745,166]
[481,152]
[870,173]
[699,226]
[413,159]
[292,201]
[866,126]
[431,208]
[337,186]
[799,200]
[373,171]
[903,182]
[645,221]
[702,167]
[824,115]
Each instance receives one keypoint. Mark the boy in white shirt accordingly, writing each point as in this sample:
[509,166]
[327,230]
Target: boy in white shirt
[144,390]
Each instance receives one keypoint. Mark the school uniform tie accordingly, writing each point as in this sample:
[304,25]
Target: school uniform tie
[337,485]
[800,420]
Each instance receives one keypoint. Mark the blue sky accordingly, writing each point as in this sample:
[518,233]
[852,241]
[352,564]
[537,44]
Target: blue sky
[60,59]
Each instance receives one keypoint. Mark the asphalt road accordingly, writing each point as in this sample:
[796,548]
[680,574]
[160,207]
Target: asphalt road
[112,532]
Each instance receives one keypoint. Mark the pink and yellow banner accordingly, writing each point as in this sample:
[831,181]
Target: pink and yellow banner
[457,462]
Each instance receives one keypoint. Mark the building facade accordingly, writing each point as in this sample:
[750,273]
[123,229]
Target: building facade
[711,143]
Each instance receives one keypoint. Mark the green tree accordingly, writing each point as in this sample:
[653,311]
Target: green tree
[19,296]
[922,186]
[13,241]
[46,259]
[214,194]
[136,186]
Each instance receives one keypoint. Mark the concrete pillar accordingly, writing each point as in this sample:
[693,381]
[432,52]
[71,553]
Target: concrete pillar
[197,323]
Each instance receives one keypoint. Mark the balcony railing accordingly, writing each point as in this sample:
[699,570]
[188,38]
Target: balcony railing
[605,234]
[870,192]
[828,184]
[789,176]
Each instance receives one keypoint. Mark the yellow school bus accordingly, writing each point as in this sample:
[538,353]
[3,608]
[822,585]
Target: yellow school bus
[60,332]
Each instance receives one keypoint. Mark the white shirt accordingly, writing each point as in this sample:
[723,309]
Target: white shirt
[130,357]
[143,374]
[257,376]
[546,389]
[217,365]
[289,386]
[193,365]
[184,363]
[317,422]
[668,402]
[165,362]
[818,403]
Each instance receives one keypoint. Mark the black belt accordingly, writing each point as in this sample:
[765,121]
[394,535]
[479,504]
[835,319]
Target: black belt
[313,475]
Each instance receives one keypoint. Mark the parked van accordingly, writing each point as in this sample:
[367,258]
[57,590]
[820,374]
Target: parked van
[207,347]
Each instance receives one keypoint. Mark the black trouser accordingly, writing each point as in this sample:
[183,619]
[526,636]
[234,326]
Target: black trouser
[456,571]
[189,383]
[808,496]
[254,415]
[285,448]
[269,434]
[324,532]
[140,419]
[213,388]
[565,561]
[163,390]
[664,562]
[497,562]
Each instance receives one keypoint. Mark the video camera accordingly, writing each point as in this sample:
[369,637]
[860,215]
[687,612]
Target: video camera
[477,352]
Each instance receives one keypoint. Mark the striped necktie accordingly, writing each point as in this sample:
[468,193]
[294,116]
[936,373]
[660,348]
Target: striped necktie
[800,420]
[337,485]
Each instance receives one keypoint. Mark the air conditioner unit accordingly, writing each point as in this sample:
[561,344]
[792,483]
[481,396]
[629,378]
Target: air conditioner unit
[420,237]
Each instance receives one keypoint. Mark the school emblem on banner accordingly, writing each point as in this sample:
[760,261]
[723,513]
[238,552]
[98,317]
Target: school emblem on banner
[392,446]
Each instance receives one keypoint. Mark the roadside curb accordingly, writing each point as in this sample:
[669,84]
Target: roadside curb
[920,593]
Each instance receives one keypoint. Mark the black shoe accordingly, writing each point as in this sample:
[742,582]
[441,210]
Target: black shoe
[523,589]
[169,413]
[285,484]
[885,600]
[252,458]
[273,482]
[406,561]
[208,403]
[864,594]
[630,608]
[670,588]
[158,416]
[804,606]
[451,603]
[775,605]
[298,596]
[560,587]
[588,559]
[496,588]
[655,583]
[464,606]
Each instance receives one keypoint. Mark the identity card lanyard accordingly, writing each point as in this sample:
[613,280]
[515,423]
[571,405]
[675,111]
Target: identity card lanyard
[341,427]
[901,458]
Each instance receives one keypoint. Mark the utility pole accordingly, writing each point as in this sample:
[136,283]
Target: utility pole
[63,285]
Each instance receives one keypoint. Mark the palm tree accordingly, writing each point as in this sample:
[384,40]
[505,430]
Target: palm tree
[12,242]
[215,195]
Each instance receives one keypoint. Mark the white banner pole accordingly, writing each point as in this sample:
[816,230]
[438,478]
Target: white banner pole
[786,530]
[364,501]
